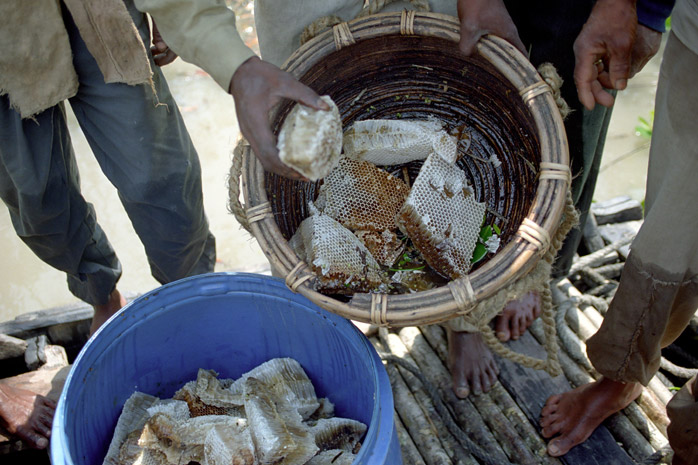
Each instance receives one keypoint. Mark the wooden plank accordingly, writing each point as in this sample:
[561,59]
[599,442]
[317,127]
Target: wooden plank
[531,388]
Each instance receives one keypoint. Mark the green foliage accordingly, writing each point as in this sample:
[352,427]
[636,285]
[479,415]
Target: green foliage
[405,261]
[480,248]
[644,129]
[667,24]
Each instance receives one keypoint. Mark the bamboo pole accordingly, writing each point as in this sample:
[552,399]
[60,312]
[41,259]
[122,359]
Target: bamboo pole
[467,417]
[516,447]
[451,446]
[420,429]
[410,453]
[415,341]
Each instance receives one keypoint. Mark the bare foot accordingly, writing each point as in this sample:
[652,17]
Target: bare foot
[574,415]
[471,364]
[27,415]
[104,312]
[517,316]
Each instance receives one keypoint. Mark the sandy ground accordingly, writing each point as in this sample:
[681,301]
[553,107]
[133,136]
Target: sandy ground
[27,284]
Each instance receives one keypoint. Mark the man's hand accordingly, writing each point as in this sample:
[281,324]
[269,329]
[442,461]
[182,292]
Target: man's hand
[647,43]
[603,51]
[481,17]
[257,86]
[162,55]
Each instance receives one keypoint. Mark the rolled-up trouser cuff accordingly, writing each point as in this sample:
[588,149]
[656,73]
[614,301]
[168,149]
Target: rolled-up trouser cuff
[648,312]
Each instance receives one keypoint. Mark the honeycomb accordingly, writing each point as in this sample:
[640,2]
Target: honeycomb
[197,407]
[442,217]
[310,141]
[385,246]
[362,196]
[341,262]
[394,142]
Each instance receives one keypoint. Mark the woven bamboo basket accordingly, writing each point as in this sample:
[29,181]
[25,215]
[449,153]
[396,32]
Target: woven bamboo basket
[408,65]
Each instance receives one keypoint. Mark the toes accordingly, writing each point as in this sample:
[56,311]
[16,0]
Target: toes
[516,327]
[32,438]
[560,446]
[461,391]
[476,384]
[490,377]
[553,428]
[547,421]
[502,329]
[46,420]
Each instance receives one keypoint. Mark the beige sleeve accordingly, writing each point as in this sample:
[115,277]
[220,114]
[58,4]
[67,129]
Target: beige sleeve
[202,32]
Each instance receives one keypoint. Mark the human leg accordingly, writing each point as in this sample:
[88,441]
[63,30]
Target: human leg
[142,146]
[658,292]
[39,183]
[683,427]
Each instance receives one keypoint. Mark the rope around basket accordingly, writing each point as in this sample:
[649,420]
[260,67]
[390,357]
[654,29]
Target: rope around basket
[477,319]
[234,177]
[323,23]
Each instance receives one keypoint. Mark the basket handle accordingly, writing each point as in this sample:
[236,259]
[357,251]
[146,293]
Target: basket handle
[234,179]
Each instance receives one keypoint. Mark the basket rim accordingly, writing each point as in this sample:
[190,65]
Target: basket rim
[515,260]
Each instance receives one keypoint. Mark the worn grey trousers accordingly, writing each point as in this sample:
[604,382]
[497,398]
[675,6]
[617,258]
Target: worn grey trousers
[658,292]
[142,146]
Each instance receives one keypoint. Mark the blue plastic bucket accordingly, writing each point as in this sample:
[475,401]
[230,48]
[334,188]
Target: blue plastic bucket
[228,322]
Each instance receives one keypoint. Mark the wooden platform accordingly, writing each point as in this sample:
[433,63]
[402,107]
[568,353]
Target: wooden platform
[436,428]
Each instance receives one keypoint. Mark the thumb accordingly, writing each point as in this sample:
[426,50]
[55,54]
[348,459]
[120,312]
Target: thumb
[619,68]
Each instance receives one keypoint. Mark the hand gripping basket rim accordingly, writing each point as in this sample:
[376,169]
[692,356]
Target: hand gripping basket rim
[514,261]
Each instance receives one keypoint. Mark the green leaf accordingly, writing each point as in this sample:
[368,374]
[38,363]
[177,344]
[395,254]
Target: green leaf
[485,233]
[497,230]
[479,253]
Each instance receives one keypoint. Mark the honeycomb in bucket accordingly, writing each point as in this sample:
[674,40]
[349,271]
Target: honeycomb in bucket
[387,142]
[272,426]
[310,141]
[343,265]
[442,217]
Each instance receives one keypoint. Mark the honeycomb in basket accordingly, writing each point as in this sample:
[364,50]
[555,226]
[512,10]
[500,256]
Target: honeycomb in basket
[442,217]
[392,142]
[341,262]
[386,247]
[310,141]
[362,196]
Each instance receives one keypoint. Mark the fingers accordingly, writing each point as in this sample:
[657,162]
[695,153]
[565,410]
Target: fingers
[468,40]
[162,58]
[619,65]
[585,73]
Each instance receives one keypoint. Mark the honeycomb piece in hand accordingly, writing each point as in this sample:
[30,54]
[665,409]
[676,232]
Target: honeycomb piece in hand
[310,141]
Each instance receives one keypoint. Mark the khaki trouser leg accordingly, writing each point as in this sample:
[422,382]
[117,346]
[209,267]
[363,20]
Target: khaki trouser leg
[658,293]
